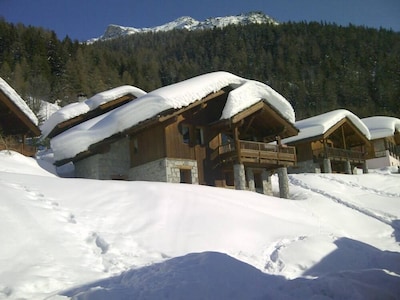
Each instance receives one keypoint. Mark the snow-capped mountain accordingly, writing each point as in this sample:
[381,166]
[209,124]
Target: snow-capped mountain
[188,23]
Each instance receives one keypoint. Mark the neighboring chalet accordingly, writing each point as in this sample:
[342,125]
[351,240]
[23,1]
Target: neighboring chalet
[335,141]
[17,122]
[385,137]
[215,129]
[79,112]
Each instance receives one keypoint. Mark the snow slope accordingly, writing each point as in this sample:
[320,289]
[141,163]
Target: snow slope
[338,237]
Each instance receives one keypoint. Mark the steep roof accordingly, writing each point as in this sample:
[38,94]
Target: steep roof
[16,116]
[245,93]
[78,112]
[318,125]
[382,126]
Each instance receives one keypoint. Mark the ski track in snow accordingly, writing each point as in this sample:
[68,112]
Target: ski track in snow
[361,187]
[384,218]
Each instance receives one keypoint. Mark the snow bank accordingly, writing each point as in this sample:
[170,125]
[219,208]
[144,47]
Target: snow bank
[338,238]
[18,101]
[318,125]
[78,108]
[175,96]
[382,126]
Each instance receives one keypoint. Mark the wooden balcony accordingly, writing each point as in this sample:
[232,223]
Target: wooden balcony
[338,154]
[255,154]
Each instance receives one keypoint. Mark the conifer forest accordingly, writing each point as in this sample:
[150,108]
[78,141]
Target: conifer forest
[317,67]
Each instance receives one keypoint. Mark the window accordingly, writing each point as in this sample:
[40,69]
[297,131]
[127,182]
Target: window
[186,134]
[199,136]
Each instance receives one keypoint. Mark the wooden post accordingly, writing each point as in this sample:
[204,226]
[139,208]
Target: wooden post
[237,143]
[344,139]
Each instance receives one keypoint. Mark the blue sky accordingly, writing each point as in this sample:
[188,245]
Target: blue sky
[84,19]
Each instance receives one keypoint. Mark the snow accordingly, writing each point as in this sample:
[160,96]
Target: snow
[79,108]
[246,93]
[18,101]
[47,109]
[318,125]
[338,237]
[382,126]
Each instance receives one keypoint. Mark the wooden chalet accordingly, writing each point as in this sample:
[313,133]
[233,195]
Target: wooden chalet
[17,122]
[385,138]
[193,144]
[336,141]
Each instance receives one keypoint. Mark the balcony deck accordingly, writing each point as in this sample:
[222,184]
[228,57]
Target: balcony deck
[255,154]
[338,154]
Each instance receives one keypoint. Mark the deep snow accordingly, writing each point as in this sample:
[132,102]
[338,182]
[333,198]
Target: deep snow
[338,237]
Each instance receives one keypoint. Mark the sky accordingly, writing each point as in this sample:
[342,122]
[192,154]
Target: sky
[85,19]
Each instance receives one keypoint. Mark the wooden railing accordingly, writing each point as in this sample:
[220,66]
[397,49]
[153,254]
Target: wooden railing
[339,154]
[256,153]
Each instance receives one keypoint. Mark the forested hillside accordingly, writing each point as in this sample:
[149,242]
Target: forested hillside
[317,67]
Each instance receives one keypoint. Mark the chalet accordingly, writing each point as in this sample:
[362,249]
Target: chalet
[385,137]
[216,129]
[17,122]
[79,112]
[335,141]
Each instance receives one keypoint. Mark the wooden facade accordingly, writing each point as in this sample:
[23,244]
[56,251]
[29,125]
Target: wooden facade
[15,127]
[343,144]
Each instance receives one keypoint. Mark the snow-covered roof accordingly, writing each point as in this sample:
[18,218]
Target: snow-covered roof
[245,93]
[18,101]
[382,126]
[79,108]
[320,124]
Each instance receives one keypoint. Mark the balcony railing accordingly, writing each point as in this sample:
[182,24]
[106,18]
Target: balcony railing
[255,153]
[339,154]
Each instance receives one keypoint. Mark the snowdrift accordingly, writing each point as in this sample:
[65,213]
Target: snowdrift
[337,237]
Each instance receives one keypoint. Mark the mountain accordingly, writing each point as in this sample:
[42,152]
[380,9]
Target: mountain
[188,23]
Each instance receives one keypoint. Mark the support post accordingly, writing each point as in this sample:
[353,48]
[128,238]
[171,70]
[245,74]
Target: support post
[239,177]
[327,167]
[250,179]
[365,167]
[347,167]
[283,183]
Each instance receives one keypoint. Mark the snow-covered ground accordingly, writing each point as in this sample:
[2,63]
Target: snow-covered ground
[337,237]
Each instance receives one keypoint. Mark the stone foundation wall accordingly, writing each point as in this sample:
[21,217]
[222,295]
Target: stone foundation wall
[308,166]
[173,167]
[111,165]
[164,170]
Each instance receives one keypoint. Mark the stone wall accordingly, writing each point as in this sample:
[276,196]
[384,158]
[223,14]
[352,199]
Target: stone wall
[308,166]
[111,165]
[151,171]
[165,170]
